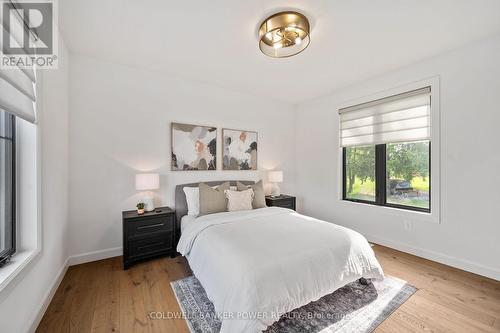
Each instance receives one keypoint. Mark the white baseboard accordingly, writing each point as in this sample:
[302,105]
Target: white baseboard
[94,256]
[48,298]
[465,265]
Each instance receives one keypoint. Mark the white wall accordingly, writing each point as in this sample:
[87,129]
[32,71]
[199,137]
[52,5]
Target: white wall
[467,236]
[22,299]
[120,125]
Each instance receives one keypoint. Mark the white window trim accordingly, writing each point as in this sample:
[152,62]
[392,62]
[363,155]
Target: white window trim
[435,215]
[26,255]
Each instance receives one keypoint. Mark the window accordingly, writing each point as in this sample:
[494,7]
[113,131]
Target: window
[360,173]
[408,174]
[19,233]
[386,151]
[7,187]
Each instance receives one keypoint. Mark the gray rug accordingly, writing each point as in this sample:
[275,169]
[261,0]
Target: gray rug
[353,308]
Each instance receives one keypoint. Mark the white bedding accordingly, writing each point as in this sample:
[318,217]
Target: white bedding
[257,265]
[185,221]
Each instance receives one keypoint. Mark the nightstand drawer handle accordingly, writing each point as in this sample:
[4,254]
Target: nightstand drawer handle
[150,226]
[149,245]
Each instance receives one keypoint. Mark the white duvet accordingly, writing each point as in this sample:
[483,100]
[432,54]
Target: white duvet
[258,265]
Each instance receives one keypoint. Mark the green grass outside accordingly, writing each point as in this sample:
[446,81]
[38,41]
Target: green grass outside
[366,191]
[419,184]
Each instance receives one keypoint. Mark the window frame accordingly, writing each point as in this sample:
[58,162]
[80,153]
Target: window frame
[380,89]
[381,181]
[29,240]
[5,255]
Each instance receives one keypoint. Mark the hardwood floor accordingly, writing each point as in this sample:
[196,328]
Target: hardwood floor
[101,297]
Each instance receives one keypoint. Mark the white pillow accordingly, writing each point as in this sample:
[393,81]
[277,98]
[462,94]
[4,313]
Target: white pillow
[193,200]
[239,200]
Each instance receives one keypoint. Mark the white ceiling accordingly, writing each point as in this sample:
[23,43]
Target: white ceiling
[215,41]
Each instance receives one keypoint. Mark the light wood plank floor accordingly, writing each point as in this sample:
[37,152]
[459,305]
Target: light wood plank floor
[101,297]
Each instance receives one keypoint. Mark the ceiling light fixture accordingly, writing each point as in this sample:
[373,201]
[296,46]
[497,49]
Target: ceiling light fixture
[284,34]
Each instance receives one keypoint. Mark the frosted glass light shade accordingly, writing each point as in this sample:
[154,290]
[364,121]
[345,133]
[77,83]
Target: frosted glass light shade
[147,181]
[276,176]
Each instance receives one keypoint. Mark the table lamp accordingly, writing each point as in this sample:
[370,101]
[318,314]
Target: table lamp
[147,182]
[275,177]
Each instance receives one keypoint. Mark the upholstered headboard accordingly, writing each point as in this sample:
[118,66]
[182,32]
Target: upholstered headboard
[180,196]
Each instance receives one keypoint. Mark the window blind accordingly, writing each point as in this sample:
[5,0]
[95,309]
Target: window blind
[17,85]
[398,118]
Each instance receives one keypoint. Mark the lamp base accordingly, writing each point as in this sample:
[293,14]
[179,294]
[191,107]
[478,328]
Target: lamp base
[275,190]
[149,205]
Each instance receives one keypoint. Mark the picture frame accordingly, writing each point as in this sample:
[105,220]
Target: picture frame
[193,147]
[239,149]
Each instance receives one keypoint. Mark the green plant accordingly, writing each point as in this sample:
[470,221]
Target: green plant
[140,205]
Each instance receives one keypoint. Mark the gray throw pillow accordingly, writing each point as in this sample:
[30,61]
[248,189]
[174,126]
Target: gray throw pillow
[213,200]
[259,199]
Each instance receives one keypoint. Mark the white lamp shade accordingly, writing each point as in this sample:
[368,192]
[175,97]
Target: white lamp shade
[147,181]
[276,176]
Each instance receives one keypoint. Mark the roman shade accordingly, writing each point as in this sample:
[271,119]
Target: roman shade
[17,85]
[398,118]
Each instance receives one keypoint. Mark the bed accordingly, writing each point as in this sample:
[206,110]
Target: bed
[259,264]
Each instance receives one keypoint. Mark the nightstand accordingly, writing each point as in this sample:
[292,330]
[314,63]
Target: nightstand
[149,235]
[285,201]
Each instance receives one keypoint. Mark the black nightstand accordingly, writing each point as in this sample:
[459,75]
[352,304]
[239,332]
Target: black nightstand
[149,235]
[285,201]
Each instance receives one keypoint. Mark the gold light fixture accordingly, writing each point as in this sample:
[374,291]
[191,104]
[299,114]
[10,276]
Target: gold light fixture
[284,34]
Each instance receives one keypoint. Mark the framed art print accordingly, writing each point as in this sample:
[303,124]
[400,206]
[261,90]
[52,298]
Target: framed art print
[239,150]
[194,147]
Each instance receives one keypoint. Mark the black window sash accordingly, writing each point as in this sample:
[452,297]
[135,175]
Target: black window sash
[11,136]
[381,181]
[380,175]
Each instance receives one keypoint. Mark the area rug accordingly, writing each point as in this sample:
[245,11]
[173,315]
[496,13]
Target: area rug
[352,308]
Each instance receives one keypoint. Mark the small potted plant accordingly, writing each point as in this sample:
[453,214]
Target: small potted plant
[140,208]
